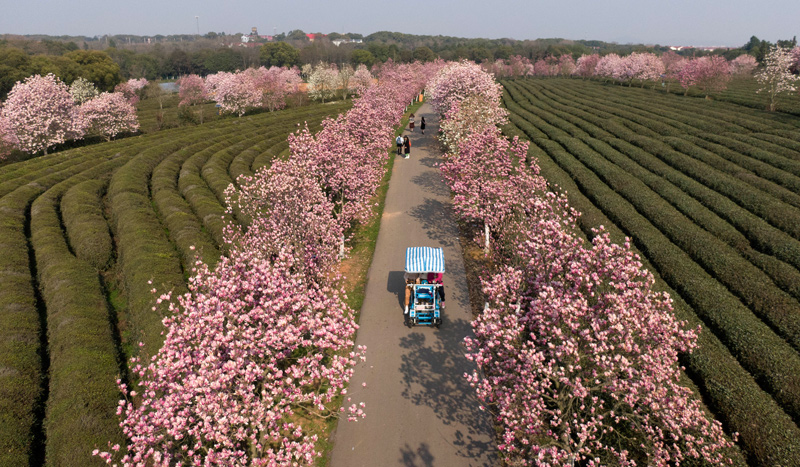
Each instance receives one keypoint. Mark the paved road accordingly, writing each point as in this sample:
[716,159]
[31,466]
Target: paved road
[420,411]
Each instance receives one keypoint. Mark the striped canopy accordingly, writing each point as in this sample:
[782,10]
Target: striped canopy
[424,259]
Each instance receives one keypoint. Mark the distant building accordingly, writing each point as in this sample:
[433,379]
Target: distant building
[346,40]
[312,37]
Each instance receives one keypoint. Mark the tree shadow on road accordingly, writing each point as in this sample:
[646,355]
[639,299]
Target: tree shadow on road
[433,368]
[431,182]
[421,457]
[435,217]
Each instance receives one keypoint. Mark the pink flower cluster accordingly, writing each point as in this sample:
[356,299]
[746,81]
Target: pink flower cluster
[40,113]
[711,73]
[457,81]
[577,354]
[265,341]
[108,115]
[244,90]
[133,89]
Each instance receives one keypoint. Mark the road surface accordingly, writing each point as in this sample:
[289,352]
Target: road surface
[420,410]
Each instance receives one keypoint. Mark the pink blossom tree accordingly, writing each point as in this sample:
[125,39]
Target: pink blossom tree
[566,65]
[249,348]
[362,80]
[579,356]
[673,63]
[795,60]
[714,74]
[7,139]
[519,66]
[472,115]
[192,92]
[458,81]
[585,65]
[108,115]
[39,113]
[233,92]
[490,182]
[688,74]
[609,66]
[289,212]
[133,89]
[743,65]
[776,78]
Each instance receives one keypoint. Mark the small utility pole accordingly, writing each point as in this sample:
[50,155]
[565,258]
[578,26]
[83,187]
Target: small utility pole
[197,19]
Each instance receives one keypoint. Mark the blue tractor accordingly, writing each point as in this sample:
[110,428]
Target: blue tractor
[424,301]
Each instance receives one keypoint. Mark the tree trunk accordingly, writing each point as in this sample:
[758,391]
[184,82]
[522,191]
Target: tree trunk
[486,234]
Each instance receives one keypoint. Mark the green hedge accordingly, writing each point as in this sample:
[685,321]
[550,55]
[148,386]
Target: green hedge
[20,330]
[185,229]
[755,345]
[144,251]
[82,400]
[87,228]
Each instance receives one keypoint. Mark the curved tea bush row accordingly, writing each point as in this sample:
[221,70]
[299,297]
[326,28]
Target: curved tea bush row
[685,110]
[82,400]
[734,395]
[713,304]
[185,229]
[751,287]
[87,228]
[784,275]
[649,145]
[20,345]
[69,245]
[724,160]
[146,257]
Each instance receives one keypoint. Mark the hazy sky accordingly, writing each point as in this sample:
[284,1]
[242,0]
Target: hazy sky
[665,22]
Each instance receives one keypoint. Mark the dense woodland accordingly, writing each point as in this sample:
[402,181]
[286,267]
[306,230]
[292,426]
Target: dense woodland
[109,60]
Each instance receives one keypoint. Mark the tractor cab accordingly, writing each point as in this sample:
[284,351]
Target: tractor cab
[424,293]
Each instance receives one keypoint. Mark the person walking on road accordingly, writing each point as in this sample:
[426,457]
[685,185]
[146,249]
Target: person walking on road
[407,146]
[411,122]
[399,141]
[422,125]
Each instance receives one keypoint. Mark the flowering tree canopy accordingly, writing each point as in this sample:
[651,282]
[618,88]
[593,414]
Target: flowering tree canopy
[585,65]
[233,92]
[472,115]
[458,81]
[133,89]
[743,65]
[108,115]
[191,90]
[39,113]
[776,77]
[82,90]
[323,81]
[577,354]
[249,346]
[579,357]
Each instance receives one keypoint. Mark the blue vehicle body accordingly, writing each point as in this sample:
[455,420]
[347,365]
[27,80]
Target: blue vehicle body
[425,305]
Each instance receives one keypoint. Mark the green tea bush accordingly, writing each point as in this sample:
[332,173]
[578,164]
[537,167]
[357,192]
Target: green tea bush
[87,228]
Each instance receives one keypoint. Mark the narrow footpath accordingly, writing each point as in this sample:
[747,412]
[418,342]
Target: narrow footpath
[420,410]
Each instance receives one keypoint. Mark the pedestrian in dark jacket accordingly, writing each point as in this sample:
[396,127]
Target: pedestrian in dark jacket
[422,125]
[407,146]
